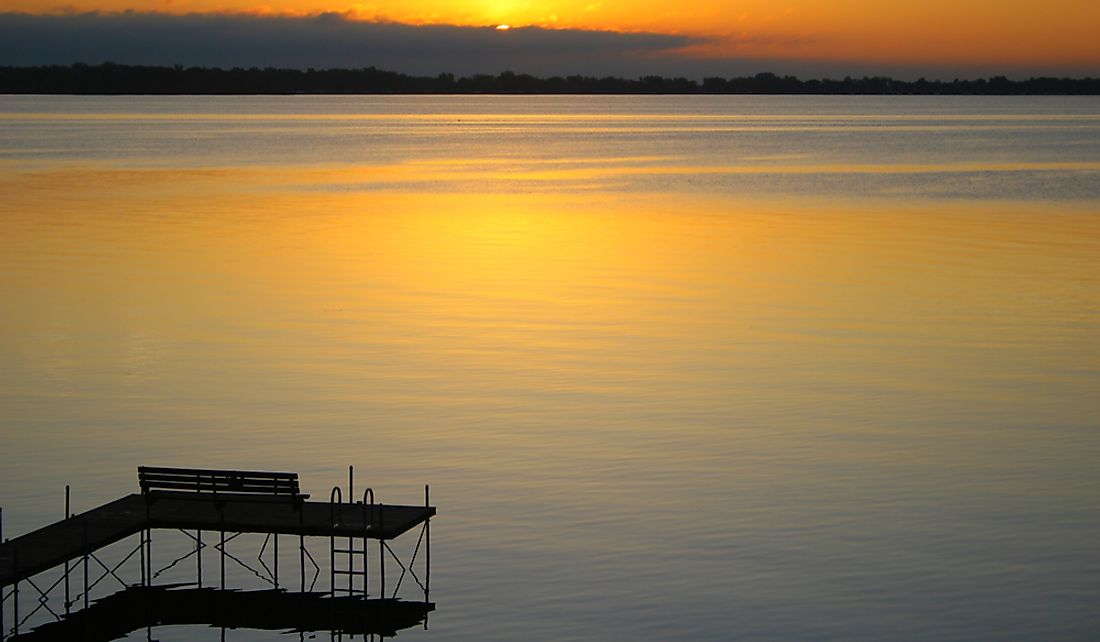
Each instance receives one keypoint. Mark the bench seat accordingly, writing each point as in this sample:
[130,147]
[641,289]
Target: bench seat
[219,485]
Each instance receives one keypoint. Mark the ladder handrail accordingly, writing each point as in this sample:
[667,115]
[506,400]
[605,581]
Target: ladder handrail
[368,507]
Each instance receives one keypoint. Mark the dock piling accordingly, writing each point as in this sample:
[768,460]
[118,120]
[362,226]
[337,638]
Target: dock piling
[221,535]
[302,547]
[149,554]
[2,632]
[141,560]
[381,557]
[84,527]
[15,595]
[427,551]
[351,540]
[67,515]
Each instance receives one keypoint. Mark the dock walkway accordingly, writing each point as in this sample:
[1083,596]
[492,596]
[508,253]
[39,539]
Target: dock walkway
[57,543]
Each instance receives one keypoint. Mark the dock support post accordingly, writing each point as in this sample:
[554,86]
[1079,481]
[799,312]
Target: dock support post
[427,555]
[351,540]
[427,551]
[15,592]
[85,560]
[2,631]
[275,565]
[67,513]
[221,534]
[198,558]
[366,563]
[141,548]
[149,555]
[381,553]
[302,545]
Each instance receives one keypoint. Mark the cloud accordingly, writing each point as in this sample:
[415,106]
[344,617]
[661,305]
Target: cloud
[323,41]
[336,40]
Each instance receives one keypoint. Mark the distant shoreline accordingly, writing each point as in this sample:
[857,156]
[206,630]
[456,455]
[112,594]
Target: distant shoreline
[114,79]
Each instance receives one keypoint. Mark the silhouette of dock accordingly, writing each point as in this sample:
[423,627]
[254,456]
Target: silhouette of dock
[218,502]
[68,539]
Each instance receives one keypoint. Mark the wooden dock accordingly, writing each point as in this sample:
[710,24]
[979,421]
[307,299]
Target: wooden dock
[57,543]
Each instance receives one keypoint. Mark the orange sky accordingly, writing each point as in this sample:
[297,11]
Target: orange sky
[957,32]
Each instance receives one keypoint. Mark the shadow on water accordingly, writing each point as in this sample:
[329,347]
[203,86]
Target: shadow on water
[136,608]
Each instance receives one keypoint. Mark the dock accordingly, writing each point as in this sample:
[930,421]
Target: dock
[217,503]
[52,545]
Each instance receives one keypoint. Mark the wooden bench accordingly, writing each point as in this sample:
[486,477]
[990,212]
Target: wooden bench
[219,485]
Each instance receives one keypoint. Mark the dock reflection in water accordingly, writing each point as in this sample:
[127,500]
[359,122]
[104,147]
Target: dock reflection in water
[138,607]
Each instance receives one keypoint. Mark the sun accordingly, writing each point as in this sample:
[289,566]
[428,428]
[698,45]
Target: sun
[503,27]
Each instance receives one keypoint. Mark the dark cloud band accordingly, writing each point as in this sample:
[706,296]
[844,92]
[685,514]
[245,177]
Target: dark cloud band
[327,40]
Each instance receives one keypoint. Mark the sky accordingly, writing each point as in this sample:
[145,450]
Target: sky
[933,38]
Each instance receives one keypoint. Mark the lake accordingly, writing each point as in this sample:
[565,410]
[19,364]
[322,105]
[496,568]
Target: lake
[733,367]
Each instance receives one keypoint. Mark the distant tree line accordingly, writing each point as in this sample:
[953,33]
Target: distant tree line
[109,78]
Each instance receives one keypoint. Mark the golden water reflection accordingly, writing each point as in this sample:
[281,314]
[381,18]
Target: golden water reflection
[568,365]
[145,279]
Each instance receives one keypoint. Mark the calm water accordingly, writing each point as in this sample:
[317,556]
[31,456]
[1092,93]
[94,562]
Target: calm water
[816,368]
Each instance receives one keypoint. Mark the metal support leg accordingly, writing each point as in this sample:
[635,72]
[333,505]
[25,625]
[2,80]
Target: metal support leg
[149,555]
[222,535]
[141,547]
[381,552]
[275,565]
[366,567]
[302,545]
[67,513]
[68,600]
[351,541]
[427,555]
[198,558]
[427,551]
[15,593]
[85,563]
[382,567]
[2,630]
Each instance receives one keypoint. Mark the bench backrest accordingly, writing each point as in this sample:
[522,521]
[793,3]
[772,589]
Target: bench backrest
[218,482]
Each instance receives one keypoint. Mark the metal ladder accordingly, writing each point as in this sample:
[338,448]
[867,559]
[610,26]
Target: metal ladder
[347,551]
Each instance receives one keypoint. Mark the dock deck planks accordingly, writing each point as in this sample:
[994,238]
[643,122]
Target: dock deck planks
[50,546]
